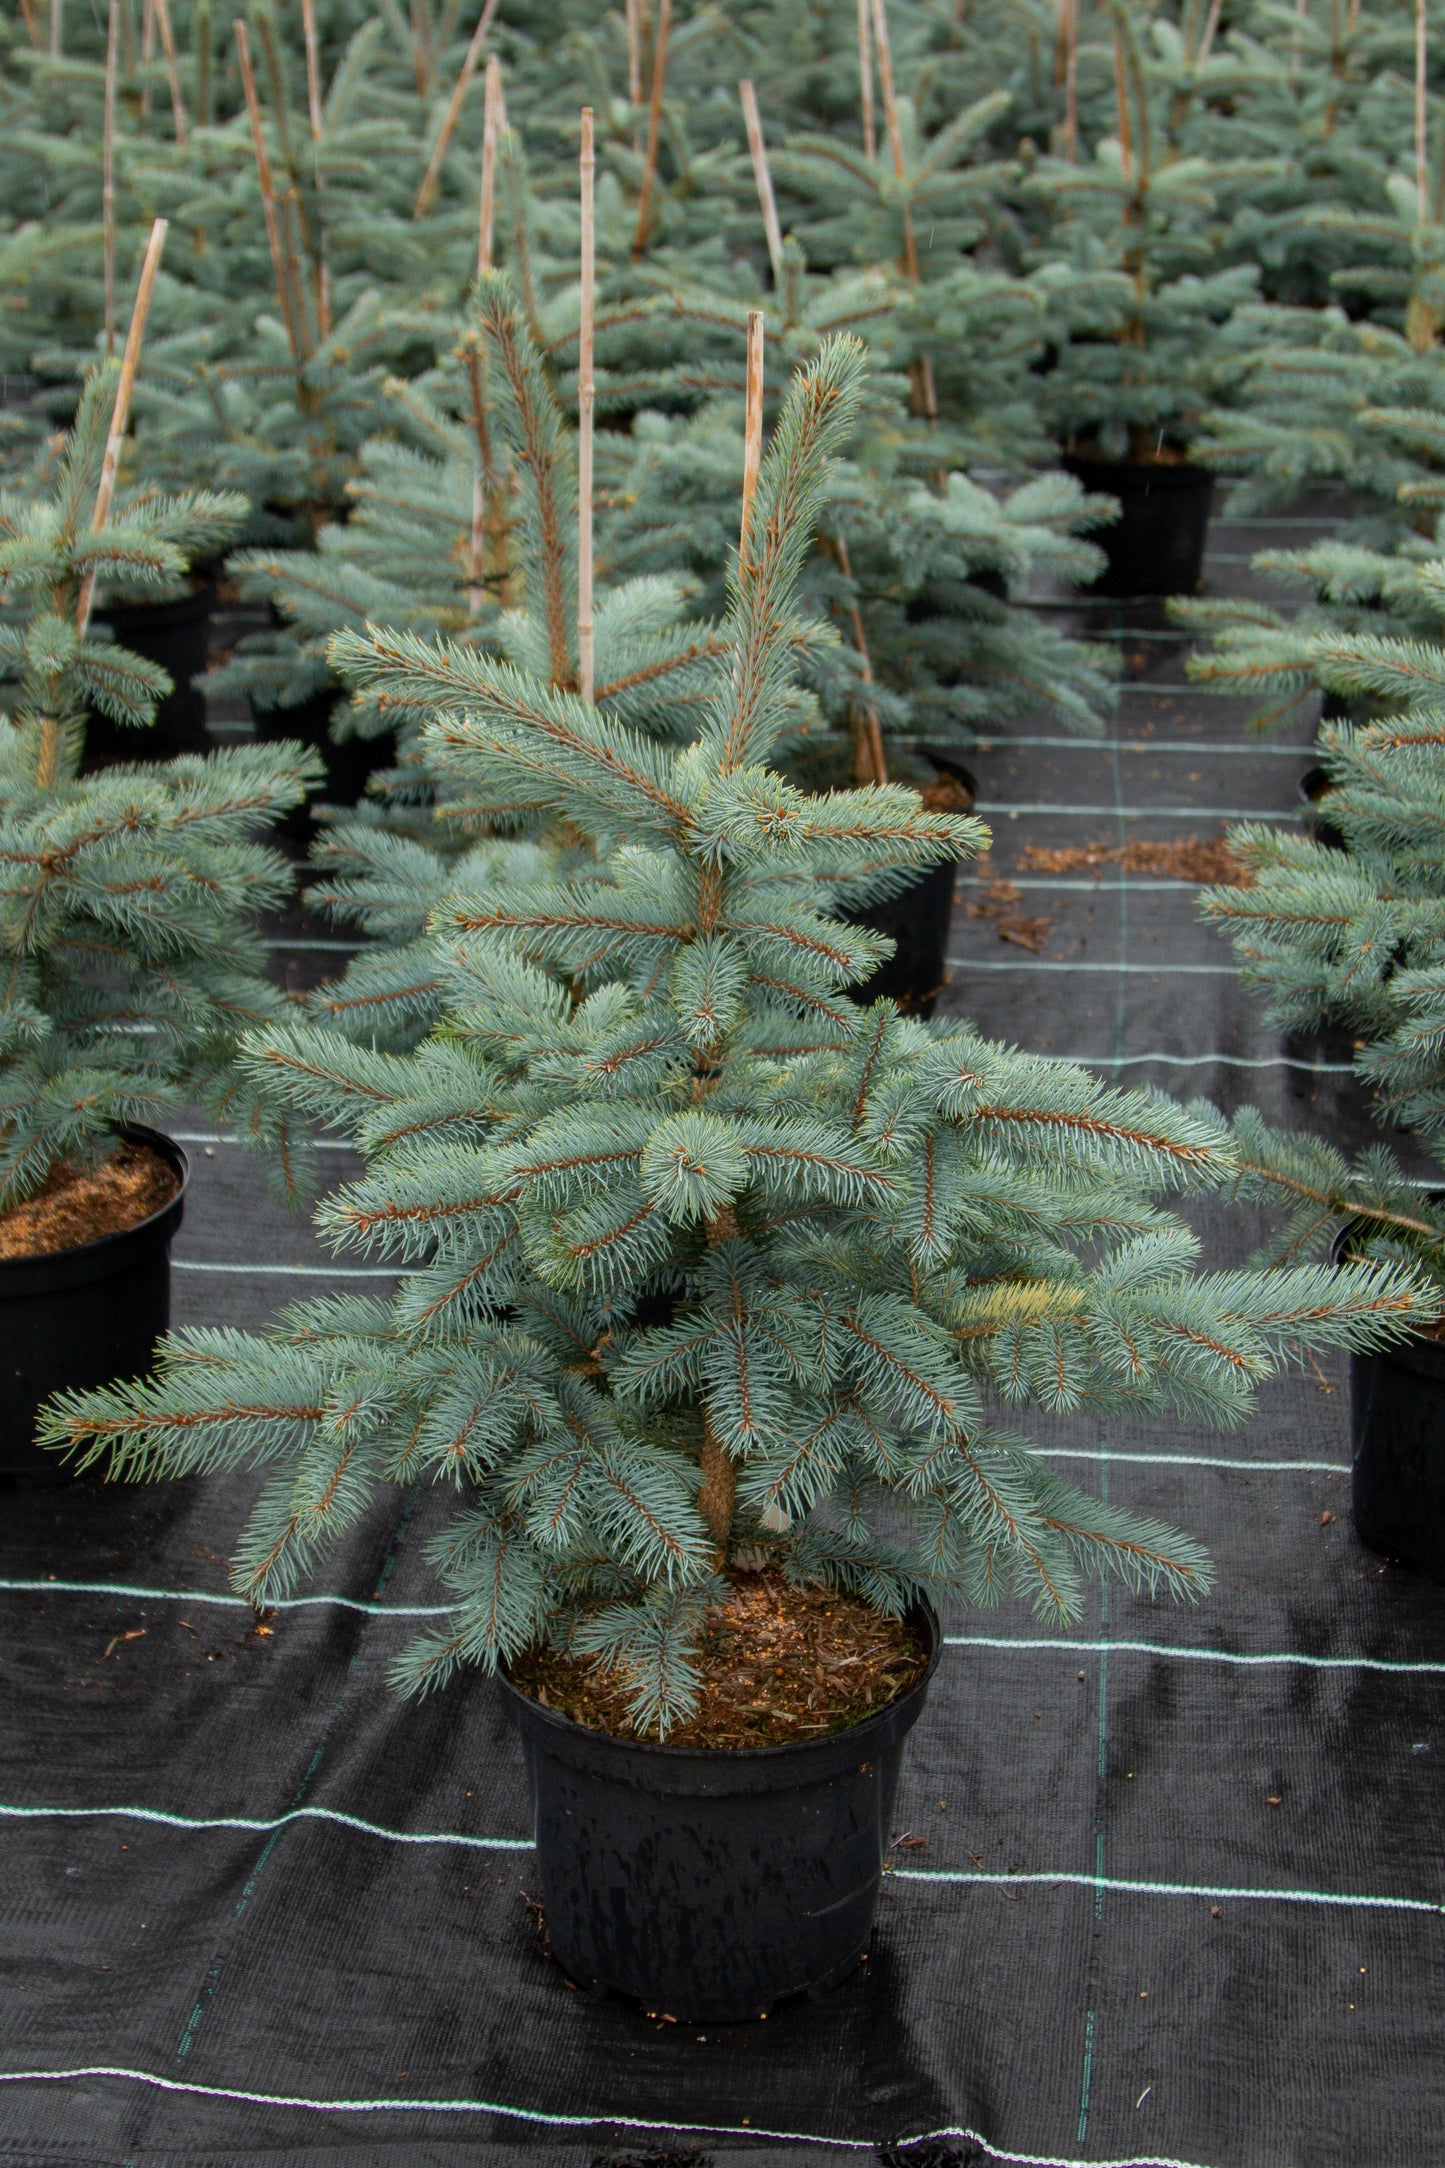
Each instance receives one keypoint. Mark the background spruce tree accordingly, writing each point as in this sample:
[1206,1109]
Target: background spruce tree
[700,1257]
[129,900]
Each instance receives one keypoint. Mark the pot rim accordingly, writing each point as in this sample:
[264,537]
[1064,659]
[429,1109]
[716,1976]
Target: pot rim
[57,1267]
[921,1615]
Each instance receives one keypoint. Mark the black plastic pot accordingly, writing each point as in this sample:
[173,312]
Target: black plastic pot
[177,636]
[1397,1448]
[710,1885]
[83,1317]
[1312,787]
[917,920]
[1156,546]
[348,766]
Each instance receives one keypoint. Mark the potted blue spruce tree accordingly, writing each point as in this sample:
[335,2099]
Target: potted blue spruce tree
[712,1279]
[128,943]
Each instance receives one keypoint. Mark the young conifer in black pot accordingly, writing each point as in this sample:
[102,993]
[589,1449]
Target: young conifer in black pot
[713,1277]
[129,960]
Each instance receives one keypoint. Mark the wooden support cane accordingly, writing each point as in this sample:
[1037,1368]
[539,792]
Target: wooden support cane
[48,757]
[316,113]
[654,125]
[865,81]
[920,369]
[107,175]
[752,435]
[493,122]
[432,177]
[173,70]
[586,394]
[293,316]
[762,175]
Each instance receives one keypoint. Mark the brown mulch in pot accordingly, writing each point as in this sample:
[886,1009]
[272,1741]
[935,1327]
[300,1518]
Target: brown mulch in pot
[77,1204]
[947,794]
[780,1665]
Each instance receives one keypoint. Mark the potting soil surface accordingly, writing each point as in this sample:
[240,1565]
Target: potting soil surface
[1164,1889]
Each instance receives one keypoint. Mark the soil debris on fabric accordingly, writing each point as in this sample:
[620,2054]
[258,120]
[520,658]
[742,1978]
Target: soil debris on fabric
[1202,859]
[780,1664]
[77,1204]
[999,899]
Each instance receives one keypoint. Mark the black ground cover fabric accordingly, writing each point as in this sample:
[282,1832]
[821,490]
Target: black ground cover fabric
[1166,1889]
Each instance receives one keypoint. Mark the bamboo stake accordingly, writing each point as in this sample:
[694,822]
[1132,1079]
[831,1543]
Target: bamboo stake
[1422,180]
[1121,98]
[762,175]
[290,318]
[421,53]
[32,27]
[633,21]
[147,52]
[654,124]
[55,8]
[1211,31]
[752,434]
[173,69]
[107,174]
[317,113]
[492,125]
[478,559]
[868,754]
[1071,84]
[920,369]
[448,129]
[586,394]
[48,755]
[865,81]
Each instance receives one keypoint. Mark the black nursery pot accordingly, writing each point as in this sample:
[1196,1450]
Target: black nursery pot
[1397,1448]
[1156,546]
[712,1884]
[177,635]
[917,920]
[348,765]
[1312,787]
[83,1317]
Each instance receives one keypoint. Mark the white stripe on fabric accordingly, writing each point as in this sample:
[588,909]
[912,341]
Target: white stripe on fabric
[1159,970]
[1190,1460]
[297,1272]
[346,948]
[264,1824]
[1128,1887]
[224,1136]
[1151,745]
[398,2104]
[228,1602]
[1186,1654]
[986,808]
